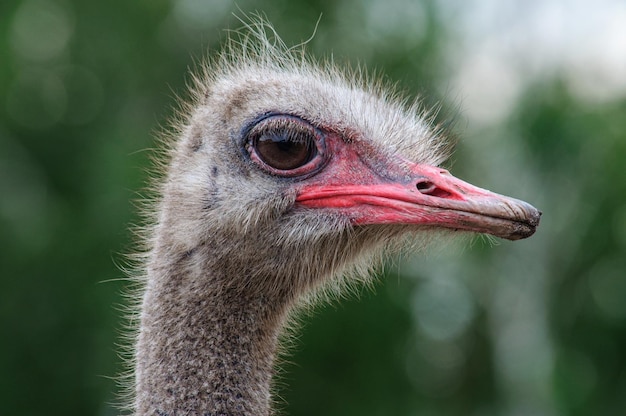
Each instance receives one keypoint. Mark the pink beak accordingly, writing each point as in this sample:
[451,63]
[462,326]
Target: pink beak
[421,194]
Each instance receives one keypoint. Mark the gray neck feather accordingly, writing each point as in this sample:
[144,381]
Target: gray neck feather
[205,349]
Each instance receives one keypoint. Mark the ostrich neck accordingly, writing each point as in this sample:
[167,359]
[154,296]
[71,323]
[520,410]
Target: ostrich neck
[205,348]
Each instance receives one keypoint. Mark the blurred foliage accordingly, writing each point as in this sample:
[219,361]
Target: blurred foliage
[85,84]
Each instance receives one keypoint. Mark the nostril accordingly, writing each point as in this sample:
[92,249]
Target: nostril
[429,188]
[425,187]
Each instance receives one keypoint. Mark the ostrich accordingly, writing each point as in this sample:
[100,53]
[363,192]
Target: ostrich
[285,178]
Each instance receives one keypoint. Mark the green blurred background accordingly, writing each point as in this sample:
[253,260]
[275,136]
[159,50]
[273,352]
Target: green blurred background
[537,94]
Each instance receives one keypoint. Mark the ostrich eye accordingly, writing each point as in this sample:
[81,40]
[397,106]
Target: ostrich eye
[285,149]
[285,145]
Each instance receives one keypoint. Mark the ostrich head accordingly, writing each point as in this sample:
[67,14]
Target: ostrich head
[284,175]
[298,170]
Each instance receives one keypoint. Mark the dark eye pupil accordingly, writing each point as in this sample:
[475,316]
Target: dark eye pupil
[285,150]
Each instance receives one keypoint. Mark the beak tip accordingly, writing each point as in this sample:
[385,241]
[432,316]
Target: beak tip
[527,228]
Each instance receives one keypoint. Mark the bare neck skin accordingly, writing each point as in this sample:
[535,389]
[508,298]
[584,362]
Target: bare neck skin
[205,348]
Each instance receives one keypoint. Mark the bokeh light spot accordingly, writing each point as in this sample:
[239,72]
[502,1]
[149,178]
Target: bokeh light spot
[41,30]
[444,308]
